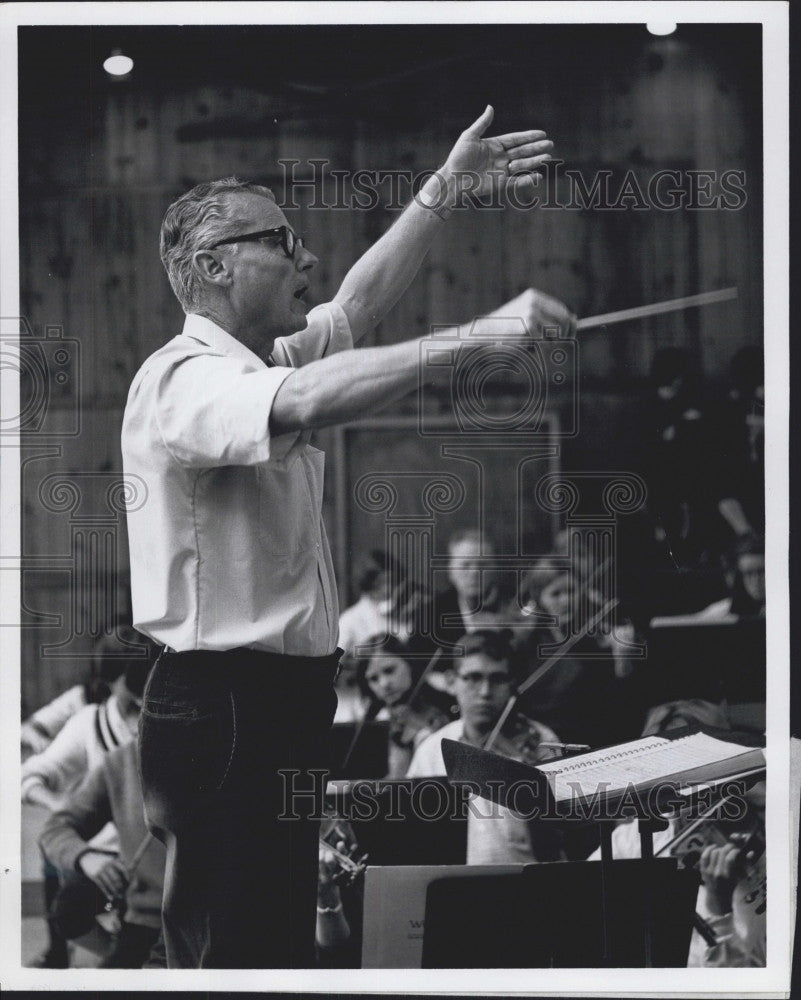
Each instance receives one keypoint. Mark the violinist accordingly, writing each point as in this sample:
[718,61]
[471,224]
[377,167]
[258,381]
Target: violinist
[483,681]
[391,682]
[379,610]
[339,896]
[732,866]
[584,696]
[728,853]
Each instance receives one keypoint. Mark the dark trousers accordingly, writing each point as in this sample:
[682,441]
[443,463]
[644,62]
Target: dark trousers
[216,731]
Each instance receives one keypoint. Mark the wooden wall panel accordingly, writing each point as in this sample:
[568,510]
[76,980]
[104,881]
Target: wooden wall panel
[95,182]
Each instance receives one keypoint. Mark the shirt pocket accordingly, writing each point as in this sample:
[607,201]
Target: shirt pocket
[287,515]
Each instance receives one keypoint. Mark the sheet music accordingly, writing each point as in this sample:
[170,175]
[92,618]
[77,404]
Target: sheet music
[636,763]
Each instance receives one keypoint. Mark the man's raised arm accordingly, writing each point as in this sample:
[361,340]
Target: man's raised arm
[475,164]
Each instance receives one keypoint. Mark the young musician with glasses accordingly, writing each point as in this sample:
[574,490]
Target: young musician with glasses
[484,679]
[230,566]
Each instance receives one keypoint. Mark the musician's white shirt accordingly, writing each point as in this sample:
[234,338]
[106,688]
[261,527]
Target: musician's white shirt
[495,835]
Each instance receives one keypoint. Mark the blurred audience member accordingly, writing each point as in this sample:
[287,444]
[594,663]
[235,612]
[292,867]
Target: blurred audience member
[379,609]
[584,694]
[474,599]
[130,881]
[584,563]
[49,776]
[106,665]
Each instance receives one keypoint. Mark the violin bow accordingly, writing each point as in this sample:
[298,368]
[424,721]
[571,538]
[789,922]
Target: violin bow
[545,667]
[421,679]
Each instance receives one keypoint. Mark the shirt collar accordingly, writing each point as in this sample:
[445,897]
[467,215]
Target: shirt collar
[207,332]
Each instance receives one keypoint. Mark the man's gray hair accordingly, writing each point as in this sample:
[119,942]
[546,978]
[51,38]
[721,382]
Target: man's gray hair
[195,221]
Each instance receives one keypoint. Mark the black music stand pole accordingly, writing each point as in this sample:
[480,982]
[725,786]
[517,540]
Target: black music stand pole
[607,877]
[647,826]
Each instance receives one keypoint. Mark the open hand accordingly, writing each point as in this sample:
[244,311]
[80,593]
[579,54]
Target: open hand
[509,160]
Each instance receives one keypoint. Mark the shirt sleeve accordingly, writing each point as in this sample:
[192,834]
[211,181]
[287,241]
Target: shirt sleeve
[49,720]
[327,332]
[65,835]
[731,952]
[211,412]
[62,762]
[427,760]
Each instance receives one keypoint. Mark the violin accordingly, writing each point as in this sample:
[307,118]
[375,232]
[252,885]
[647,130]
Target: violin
[748,867]
[426,712]
[522,739]
[751,842]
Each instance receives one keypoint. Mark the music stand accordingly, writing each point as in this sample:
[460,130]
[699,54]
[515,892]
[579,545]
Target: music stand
[525,789]
[552,917]
[368,758]
[404,821]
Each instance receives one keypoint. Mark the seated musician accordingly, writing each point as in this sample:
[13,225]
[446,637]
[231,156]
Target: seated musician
[483,681]
[131,880]
[377,612]
[585,695]
[734,876]
[390,681]
[744,572]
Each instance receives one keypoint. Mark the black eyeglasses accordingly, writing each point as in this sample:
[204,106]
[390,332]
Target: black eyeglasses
[289,239]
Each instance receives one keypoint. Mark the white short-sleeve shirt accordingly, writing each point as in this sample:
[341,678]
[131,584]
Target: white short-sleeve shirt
[227,543]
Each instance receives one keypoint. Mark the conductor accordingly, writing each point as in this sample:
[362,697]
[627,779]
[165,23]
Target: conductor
[230,565]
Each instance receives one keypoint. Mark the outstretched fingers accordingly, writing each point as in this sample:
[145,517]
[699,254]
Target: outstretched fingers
[528,164]
[512,140]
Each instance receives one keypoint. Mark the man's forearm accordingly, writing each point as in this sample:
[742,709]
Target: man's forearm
[379,278]
[344,387]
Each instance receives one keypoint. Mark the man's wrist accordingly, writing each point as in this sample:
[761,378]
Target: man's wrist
[438,193]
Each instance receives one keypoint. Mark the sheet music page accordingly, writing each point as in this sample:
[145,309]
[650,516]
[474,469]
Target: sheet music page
[634,763]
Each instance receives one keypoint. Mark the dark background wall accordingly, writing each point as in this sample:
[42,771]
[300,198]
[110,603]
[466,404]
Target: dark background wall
[100,161]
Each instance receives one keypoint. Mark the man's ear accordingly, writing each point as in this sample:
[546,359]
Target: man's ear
[212,268]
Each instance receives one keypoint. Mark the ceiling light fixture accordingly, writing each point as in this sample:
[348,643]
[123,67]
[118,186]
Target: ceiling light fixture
[661,27]
[118,65]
